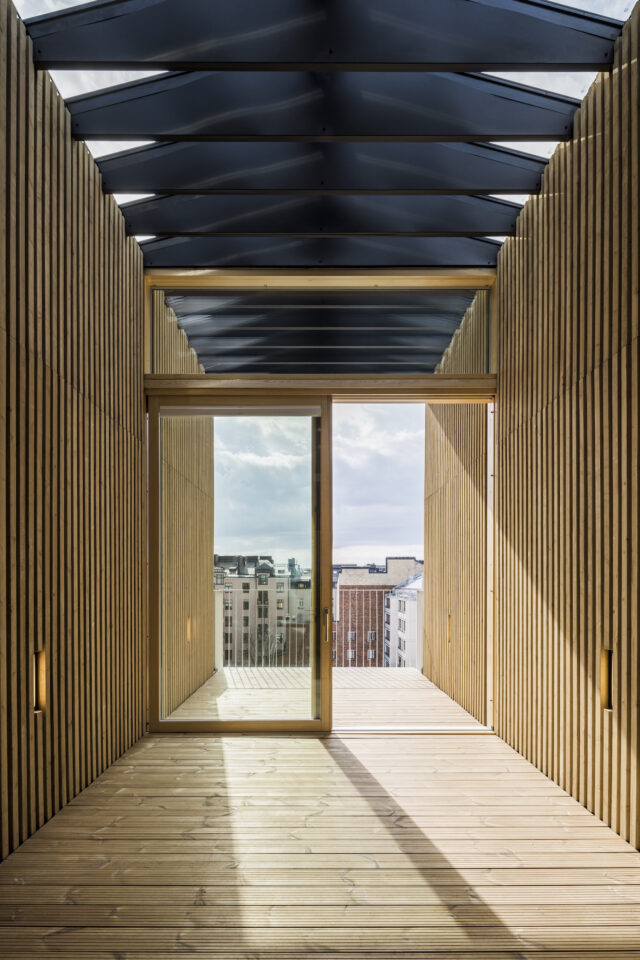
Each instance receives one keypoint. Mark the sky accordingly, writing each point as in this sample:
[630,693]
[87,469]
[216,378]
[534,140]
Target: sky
[378,481]
[262,486]
[378,453]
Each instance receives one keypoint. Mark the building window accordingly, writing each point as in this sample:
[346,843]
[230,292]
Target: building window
[333,654]
[245,604]
[334,635]
[387,618]
[263,579]
[263,612]
[371,654]
[280,587]
[228,587]
[245,637]
[402,624]
[351,654]
[371,636]
[280,604]
[228,621]
[245,621]
[228,603]
[300,604]
[245,587]
[263,596]
[351,636]
[279,621]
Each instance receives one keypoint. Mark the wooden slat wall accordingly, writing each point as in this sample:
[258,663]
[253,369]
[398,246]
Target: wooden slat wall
[567,458]
[170,350]
[455,519]
[71,457]
[187,597]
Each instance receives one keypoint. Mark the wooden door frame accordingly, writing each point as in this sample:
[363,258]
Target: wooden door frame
[156,402]
[270,390]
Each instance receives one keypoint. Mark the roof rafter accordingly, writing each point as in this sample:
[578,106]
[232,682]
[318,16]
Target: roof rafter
[318,216]
[263,106]
[291,168]
[340,252]
[315,35]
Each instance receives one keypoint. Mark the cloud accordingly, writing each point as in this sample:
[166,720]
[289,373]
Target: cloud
[378,481]
[263,483]
[263,486]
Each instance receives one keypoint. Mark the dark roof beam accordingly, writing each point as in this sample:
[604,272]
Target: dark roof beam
[322,107]
[322,168]
[193,252]
[366,215]
[314,35]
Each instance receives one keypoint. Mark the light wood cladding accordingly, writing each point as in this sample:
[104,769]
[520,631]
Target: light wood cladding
[567,458]
[468,351]
[170,348]
[455,519]
[566,462]
[186,458]
[187,592]
[71,468]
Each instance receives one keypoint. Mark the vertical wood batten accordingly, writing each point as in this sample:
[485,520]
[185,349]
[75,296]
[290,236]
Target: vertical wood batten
[71,436]
[567,582]
[186,464]
[455,526]
[567,412]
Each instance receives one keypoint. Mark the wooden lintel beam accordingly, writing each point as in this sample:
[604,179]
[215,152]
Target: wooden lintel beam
[356,388]
[472,278]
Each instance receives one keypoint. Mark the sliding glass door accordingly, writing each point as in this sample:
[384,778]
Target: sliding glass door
[241,568]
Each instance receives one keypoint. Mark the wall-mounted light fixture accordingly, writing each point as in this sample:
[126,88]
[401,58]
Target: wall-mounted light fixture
[39,681]
[606,692]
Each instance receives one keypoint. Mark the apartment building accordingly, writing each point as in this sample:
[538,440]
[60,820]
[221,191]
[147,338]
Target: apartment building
[266,611]
[359,613]
[403,627]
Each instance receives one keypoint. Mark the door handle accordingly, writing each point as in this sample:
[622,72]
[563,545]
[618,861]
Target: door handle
[326,624]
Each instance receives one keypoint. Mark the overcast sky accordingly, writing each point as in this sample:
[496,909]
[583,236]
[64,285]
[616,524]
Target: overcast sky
[263,471]
[263,484]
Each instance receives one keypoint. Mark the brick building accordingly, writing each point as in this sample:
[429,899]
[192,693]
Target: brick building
[359,613]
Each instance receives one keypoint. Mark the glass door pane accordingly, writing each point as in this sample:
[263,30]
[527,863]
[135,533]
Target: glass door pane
[239,564]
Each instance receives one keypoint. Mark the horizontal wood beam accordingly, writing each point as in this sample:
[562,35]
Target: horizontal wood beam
[307,34]
[357,388]
[313,279]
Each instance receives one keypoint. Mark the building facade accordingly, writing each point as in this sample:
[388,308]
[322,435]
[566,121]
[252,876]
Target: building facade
[403,628]
[359,611]
[266,612]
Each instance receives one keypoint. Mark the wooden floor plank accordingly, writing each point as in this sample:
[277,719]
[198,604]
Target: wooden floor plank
[391,847]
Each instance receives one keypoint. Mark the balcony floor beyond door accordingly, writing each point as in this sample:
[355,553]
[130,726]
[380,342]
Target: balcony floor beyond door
[364,698]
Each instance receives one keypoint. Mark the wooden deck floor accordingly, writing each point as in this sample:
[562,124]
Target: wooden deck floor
[363,698]
[429,847]
[378,698]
